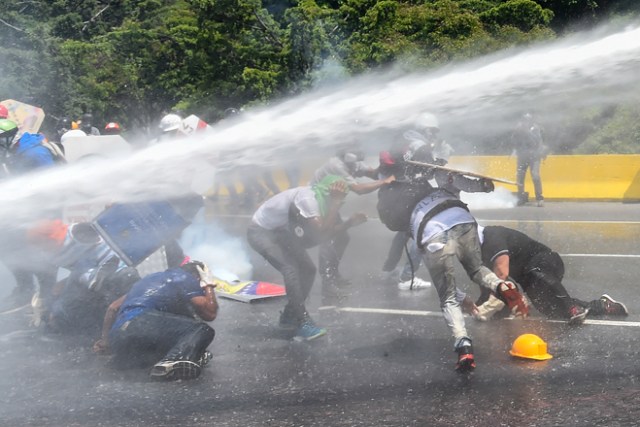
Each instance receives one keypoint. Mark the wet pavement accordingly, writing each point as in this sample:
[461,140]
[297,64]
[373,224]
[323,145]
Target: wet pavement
[387,359]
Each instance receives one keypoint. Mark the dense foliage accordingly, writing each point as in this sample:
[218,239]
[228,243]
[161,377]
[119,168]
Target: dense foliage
[132,60]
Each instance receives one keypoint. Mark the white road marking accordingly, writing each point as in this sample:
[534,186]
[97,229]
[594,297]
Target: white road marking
[439,314]
[545,221]
[602,255]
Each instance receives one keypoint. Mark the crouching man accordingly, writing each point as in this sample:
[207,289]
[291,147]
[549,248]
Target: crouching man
[155,323]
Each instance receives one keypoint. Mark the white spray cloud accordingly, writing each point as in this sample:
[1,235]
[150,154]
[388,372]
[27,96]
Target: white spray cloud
[224,254]
[572,69]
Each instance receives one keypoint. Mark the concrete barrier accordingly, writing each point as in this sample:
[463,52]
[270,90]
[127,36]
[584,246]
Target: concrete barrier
[605,177]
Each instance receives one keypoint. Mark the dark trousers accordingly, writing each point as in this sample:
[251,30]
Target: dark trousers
[155,335]
[285,252]
[543,285]
[330,253]
[533,164]
[542,282]
[396,250]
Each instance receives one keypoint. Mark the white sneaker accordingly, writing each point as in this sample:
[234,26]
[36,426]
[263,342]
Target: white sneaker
[418,283]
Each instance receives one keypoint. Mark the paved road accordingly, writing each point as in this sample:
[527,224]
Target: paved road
[387,359]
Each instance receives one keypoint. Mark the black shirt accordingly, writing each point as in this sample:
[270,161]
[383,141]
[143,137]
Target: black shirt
[520,248]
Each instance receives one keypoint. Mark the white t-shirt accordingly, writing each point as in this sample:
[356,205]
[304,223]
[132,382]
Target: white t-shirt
[274,213]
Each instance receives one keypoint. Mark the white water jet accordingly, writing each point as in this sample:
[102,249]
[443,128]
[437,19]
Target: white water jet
[588,69]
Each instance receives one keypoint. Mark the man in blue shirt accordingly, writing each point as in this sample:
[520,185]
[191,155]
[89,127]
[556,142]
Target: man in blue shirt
[157,320]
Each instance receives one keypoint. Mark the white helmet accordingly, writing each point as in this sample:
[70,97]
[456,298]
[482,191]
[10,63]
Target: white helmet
[170,122]
[427,120]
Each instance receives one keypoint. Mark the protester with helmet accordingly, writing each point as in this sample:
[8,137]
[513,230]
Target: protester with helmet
[112,128]
[530,151]
[421,144]
[86,125]
[348,163]
[539,271]
[30,152]
[170,127]
[155,323]
[8,131]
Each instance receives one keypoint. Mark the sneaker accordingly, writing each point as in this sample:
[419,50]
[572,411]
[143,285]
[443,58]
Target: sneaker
[540,203]
[418,283]
[466,361]
[205,359]
[176,370]
[308,331]
[613,307]
[577,314]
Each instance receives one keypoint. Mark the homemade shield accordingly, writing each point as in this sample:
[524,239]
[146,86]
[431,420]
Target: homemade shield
[136,230]
[28,117]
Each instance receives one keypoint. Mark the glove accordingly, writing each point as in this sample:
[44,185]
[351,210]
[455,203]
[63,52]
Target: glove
[508,292]
[487,185]
[487,309]
[206,278]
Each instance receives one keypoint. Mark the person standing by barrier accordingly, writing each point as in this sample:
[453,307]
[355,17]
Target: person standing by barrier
[530,151]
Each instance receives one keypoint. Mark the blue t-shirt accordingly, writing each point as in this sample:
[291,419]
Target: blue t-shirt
[169,291]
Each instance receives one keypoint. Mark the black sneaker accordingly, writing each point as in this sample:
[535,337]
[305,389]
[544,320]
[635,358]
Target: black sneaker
[466,361]
[577,314]
[176,370]
[613,307]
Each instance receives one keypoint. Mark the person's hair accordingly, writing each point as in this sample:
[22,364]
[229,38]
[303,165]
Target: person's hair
[192,267]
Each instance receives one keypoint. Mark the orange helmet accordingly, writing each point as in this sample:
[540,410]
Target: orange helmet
[530,346]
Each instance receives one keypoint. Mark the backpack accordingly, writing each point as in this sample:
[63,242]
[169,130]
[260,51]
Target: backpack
[397,200]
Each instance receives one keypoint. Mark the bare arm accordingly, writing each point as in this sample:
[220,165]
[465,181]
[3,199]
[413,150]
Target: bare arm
[501,266]
[206,307]
[369,187]
[102,344]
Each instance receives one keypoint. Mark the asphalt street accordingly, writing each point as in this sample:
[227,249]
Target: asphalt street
[387,359]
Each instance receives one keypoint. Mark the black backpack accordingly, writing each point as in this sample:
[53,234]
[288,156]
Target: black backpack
[397,200]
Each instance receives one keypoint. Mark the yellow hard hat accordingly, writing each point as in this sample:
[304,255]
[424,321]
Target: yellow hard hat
[530,346]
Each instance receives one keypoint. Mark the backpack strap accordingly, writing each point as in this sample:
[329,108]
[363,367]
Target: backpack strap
[457,203]
[56,152]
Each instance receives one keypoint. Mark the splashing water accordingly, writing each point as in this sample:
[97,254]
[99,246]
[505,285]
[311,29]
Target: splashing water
[589,69]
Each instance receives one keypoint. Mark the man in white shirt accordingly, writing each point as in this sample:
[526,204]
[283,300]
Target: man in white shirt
[284,227]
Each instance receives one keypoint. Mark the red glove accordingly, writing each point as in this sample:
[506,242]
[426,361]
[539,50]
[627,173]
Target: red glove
[508,292]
